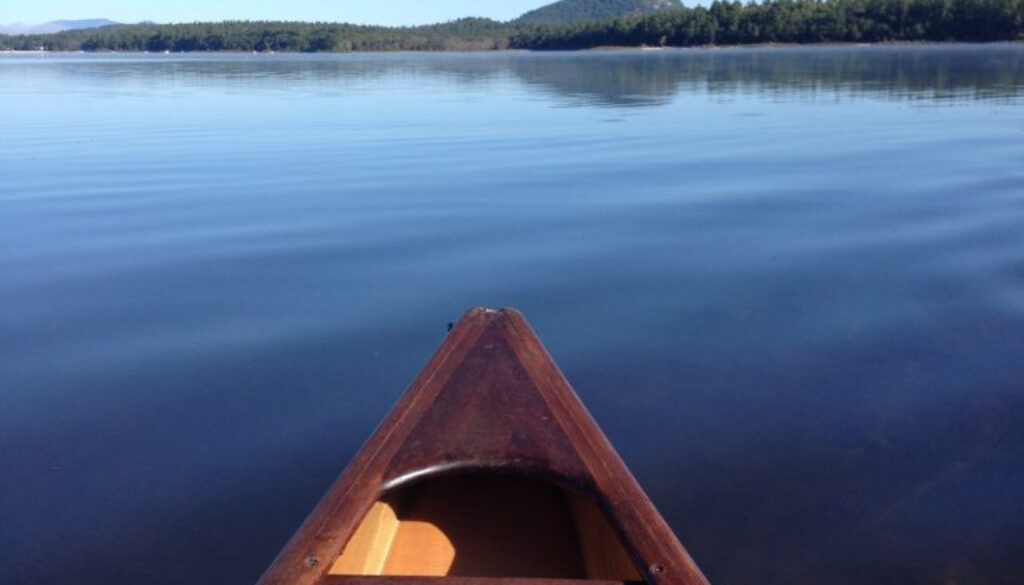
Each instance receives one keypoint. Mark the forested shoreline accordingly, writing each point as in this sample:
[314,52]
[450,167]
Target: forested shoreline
[799,21]
[721,23]
[469,34]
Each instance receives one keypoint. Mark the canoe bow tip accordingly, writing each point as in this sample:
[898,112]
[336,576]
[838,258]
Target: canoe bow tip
[490,315]
[479,311]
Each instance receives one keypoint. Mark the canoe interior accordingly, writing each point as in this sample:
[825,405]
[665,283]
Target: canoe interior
[483,525]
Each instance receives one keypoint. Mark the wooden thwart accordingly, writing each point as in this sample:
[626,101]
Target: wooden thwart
[347,580]
[486,525]
[489,469]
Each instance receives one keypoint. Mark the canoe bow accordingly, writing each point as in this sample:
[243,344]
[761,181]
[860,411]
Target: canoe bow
[490,414]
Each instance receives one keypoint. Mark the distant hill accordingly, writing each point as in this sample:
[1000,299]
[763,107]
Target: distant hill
[54,26]
[569,11]
[83,24]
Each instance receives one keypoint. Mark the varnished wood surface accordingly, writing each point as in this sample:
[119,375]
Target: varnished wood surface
[344,580]
[601,551]
[486,525]
[368,550]
[492,400]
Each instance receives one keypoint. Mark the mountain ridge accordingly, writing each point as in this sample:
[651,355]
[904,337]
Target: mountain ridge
[55,26]
[572,11]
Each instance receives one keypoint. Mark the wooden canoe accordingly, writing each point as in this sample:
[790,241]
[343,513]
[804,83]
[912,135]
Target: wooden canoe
[488,471]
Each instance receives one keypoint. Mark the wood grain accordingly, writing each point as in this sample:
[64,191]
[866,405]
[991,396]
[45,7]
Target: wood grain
[344,580]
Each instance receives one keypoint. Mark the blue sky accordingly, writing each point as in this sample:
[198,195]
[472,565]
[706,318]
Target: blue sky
[391,12]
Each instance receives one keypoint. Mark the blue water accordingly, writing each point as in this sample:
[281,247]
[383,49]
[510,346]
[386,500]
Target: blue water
[789,283]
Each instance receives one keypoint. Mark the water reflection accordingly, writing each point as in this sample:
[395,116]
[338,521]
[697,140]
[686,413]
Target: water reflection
[610,79]
[631,80]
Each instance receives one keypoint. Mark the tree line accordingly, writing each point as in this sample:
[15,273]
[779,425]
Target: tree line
[722,23]
[794,21]
[468,34]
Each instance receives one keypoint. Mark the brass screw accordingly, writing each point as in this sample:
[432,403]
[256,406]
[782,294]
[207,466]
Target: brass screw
[312,562]
[656,569]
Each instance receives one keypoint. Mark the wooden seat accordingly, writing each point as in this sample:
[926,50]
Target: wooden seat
[483,525]
[372,580]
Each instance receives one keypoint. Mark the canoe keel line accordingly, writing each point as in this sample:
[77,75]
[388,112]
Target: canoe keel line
[488,471]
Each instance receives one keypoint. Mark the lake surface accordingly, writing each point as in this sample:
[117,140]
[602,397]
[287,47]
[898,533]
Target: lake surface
[789,284]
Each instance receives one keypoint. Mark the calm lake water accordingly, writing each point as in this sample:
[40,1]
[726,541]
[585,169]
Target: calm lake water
[788,283]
